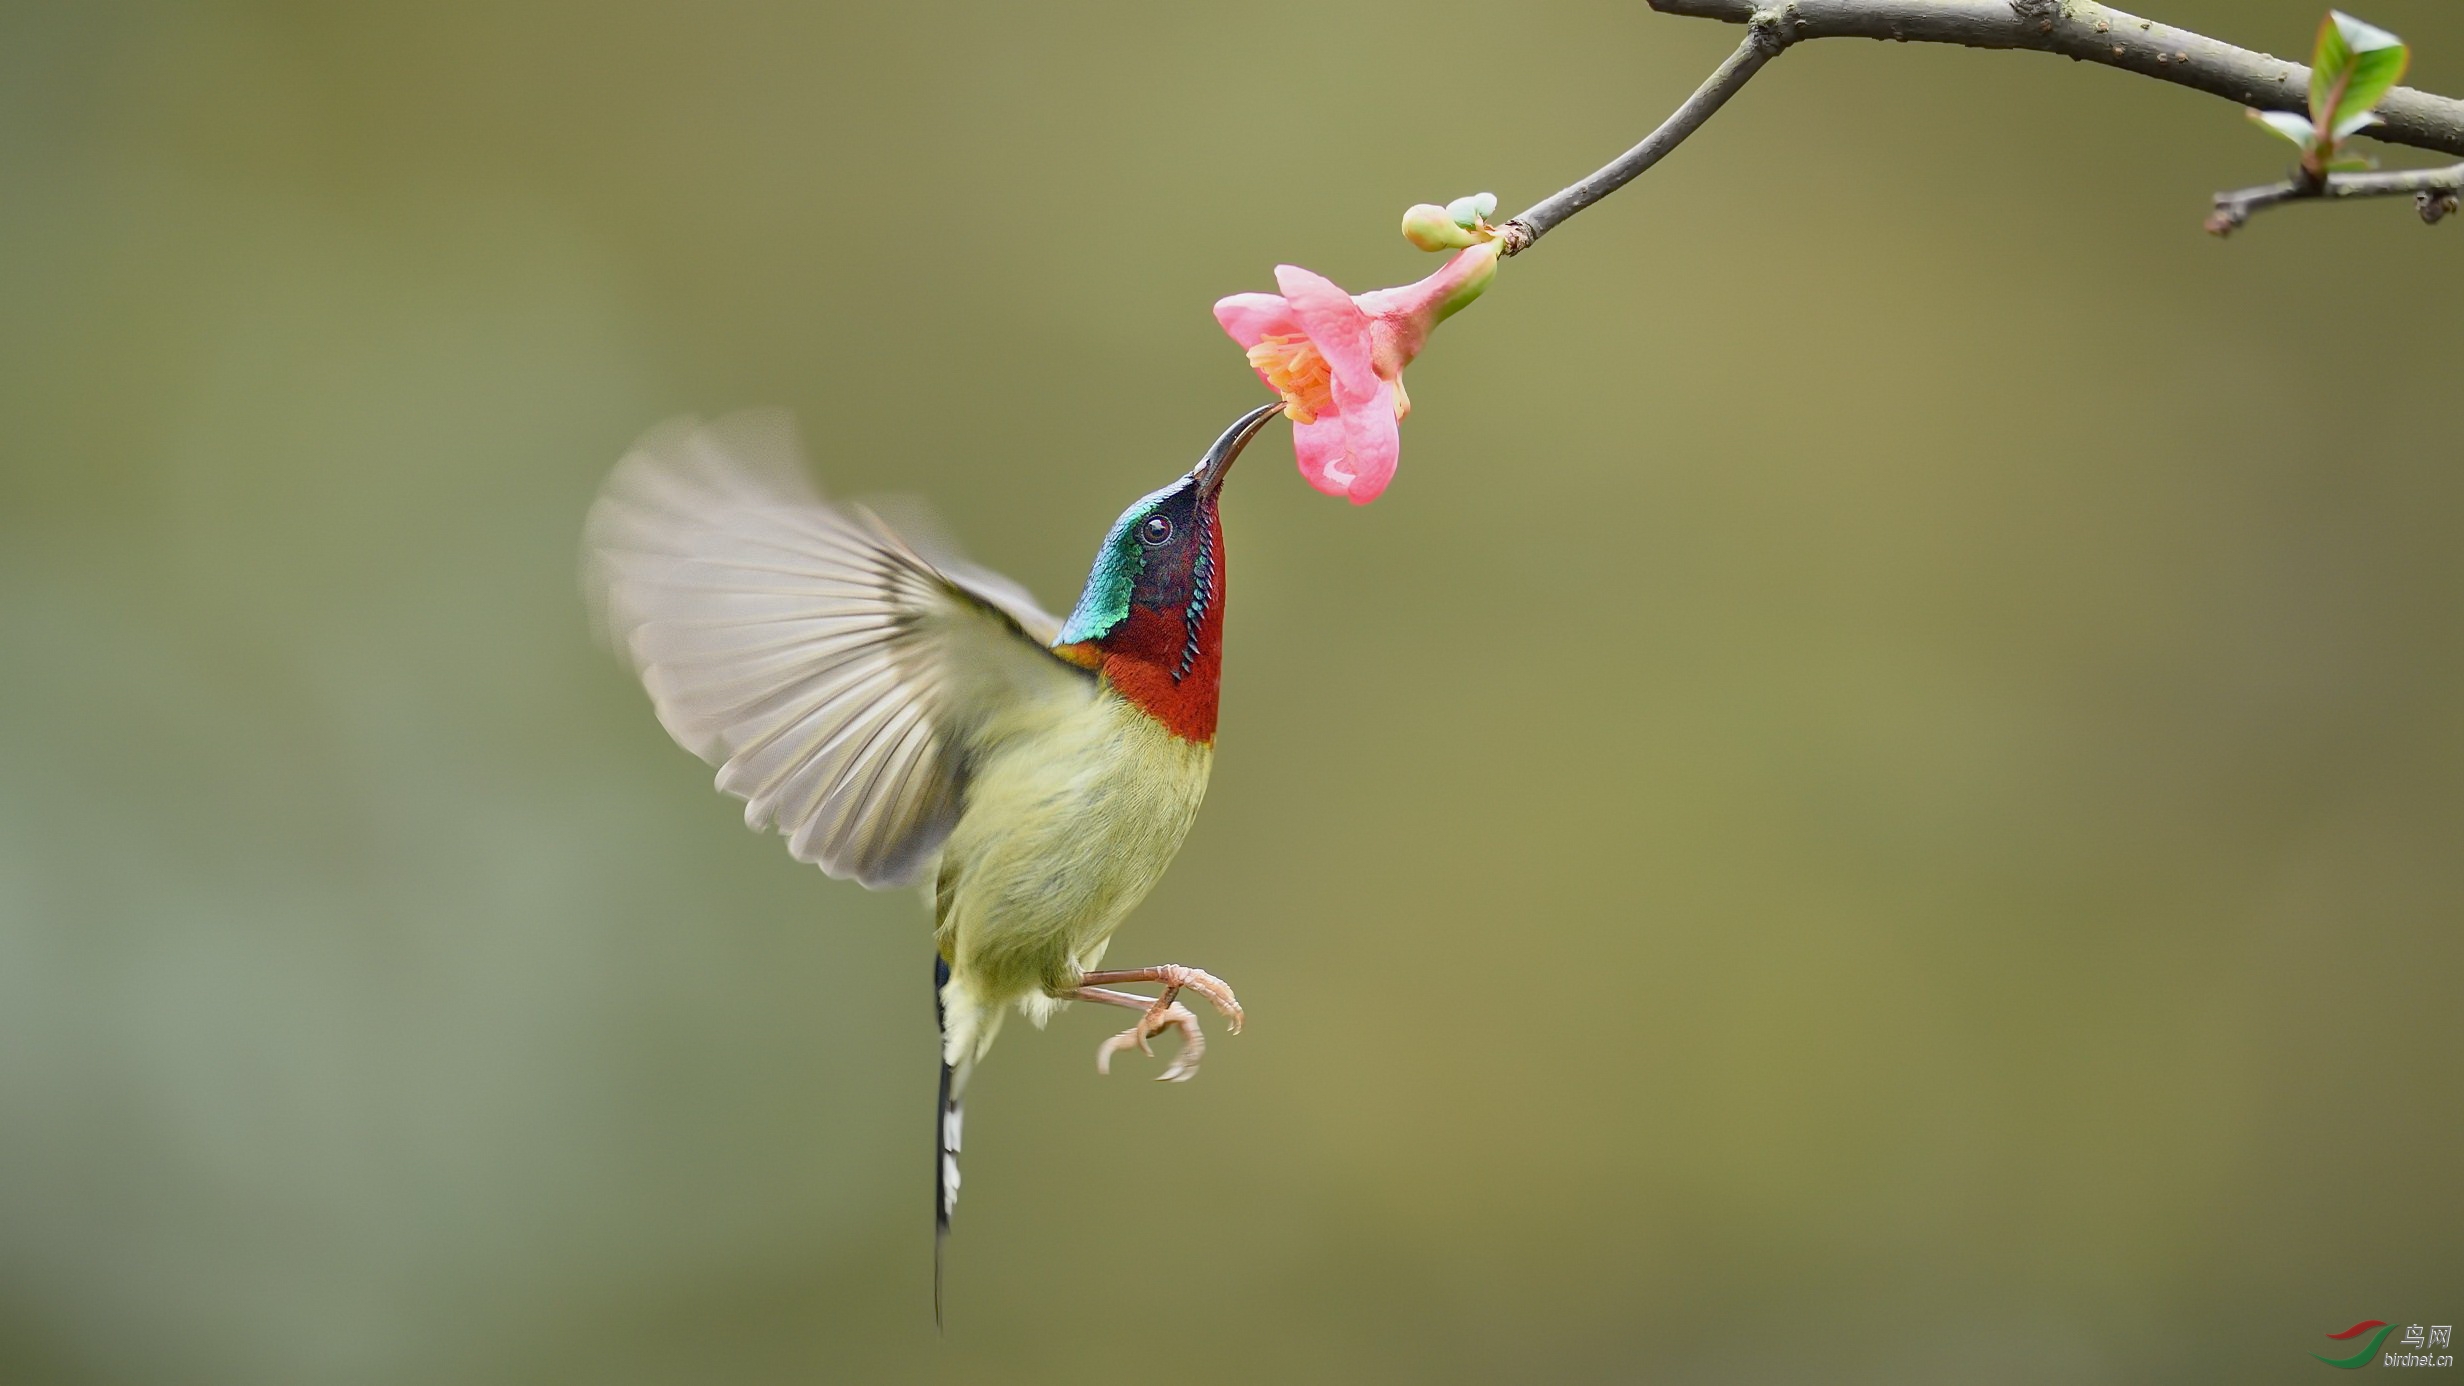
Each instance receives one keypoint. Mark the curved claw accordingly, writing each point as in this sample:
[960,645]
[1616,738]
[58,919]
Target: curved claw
[1184,1065]
[1213,988]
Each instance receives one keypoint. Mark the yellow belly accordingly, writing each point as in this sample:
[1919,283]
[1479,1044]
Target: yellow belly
[1066,829]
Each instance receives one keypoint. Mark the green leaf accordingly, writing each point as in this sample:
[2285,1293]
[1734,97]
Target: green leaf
[2350,163]
[2354,124]
[2287,124]
[2362,36]
[2331,61]
[2379,59]
[2356,64]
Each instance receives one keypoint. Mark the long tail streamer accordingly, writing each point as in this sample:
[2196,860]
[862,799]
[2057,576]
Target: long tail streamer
[946,1123]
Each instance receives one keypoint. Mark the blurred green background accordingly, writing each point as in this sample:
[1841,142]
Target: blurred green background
[1881,801]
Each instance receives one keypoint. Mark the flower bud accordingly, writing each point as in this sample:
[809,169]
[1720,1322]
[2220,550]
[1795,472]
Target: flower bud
[1432,227]
[1473,212]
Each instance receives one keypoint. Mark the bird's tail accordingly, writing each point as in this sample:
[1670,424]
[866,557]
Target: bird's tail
[946,1121]
[966,1029]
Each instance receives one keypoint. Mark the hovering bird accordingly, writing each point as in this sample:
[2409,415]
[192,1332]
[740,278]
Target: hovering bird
[901,717]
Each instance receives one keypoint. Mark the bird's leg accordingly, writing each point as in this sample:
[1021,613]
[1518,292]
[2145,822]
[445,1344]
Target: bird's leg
[1162,1011]
[1172,977]
[1159,1013]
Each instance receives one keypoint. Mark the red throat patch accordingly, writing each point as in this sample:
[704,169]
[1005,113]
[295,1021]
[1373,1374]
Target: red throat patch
[1140,656]
[1185,706]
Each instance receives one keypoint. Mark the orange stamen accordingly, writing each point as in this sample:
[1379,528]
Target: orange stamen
[1295,369]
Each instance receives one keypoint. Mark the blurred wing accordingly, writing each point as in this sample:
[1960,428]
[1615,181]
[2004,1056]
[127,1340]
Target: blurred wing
[837,677]
[919,528]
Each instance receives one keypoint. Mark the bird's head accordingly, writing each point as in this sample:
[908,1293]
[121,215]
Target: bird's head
[1151,617]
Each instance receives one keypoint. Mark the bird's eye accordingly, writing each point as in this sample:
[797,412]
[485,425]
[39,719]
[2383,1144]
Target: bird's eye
[1156,530]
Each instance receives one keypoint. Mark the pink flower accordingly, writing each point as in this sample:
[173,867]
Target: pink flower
[1337,359]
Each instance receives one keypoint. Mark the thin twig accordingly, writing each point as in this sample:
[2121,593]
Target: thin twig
[2092,33]
[2435,193]
[1762,44]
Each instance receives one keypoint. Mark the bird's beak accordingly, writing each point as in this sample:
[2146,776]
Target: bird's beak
[1219,458]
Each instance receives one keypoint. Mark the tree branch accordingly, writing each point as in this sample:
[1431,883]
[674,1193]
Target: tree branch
[2077,29]
[2435,193]
[2093,33]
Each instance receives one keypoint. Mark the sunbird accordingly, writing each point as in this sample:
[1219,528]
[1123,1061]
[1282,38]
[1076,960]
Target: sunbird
[902,717]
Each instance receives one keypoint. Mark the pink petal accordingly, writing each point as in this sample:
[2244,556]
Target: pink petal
[1402,317]
[1251,318]
[1338,329]
[1318,445]
[1351,452]
[1376,444]
[1423,297]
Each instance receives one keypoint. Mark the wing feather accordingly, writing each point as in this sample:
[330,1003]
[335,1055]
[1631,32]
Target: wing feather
[839,678]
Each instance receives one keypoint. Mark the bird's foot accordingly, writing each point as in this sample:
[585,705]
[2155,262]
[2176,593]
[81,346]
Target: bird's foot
[1165,1010]
[1172,978]
[1159,1016]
